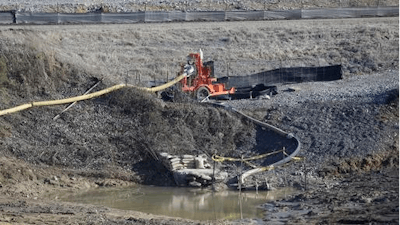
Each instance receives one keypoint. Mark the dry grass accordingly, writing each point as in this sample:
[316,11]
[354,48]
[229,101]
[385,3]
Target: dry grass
[121,53]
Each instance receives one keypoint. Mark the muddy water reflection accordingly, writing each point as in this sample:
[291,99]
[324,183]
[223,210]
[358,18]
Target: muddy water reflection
[181,202]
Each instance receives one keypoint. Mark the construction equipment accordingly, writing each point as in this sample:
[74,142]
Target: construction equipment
[199,78]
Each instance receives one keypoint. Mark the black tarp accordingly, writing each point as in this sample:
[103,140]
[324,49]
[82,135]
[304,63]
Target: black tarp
[284,76]
[254,91]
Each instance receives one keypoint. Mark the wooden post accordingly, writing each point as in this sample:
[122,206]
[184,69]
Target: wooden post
[305,176]
[227,69]
[240,175]
[240,205]
[305,179]
[283,152]
[283,156]
[256,188]
[240,188]
[213,178]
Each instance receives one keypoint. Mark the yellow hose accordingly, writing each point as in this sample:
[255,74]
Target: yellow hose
[15,109]
[218,158]
[164,86]
[88,96]
[79,98]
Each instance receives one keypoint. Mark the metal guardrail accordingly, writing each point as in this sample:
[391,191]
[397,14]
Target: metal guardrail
[12,17]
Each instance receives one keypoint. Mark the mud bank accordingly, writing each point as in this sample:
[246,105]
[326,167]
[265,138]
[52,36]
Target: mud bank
[366,198]
[362,198]
[25,192]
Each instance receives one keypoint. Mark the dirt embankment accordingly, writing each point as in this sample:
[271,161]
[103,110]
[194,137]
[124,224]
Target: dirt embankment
[113,134]
[111,140]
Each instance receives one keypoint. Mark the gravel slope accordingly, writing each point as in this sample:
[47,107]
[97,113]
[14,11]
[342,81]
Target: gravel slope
[337,119]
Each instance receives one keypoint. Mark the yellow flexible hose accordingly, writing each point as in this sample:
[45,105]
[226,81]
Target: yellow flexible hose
[88,96]
[218,158]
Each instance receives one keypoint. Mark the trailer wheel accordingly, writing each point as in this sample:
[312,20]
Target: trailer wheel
[202,93]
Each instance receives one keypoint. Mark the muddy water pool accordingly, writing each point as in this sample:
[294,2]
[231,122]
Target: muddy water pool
[180,202]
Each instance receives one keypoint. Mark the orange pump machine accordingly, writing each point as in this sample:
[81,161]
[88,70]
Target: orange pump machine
[199,79]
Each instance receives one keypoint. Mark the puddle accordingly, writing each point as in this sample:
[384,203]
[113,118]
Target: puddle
[181,202]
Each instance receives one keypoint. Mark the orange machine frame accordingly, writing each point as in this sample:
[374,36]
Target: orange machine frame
[203,78]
